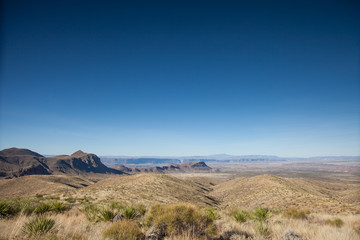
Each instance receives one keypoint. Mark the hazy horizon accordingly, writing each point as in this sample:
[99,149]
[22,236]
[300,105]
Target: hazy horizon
[181,78]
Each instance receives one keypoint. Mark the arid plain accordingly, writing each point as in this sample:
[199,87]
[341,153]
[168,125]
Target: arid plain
[77,197]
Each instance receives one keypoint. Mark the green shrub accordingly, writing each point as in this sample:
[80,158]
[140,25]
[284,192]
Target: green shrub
[9,208]
[180,218]
[141,209]
[129,212]
[124,230]
[28,207]
[106,215]
[70,200]
[212,214]
[261,214]
[43,208]
[240,216]
[296,213]
[91,212]
[337,222]
[59,207]
[38,226]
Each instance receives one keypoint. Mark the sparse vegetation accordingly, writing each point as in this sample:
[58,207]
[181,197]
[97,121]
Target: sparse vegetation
[296,213]
[106,214]
[43,208]
[59,207]
[180,218]
[261,214]
[129,212]
[9,208]
[240,215]
[124,230]
[38,226]
[337,222]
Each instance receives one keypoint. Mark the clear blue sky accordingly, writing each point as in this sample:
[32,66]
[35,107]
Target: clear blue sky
[181,77]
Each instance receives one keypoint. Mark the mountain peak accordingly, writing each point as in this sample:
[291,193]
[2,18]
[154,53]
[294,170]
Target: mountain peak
[78,153]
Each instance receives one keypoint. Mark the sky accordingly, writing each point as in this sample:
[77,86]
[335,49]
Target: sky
[181,77]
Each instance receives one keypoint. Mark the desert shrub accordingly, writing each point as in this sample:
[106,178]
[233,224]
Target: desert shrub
[141,209]
[180,218]
[9,208]
[261,214]
[129,212]
[124,230]
[43,208]
[91,212]
[106,215]
[263,229]
[296,213]
[337,222]
[38,195]
[240,215]
[28,207]
[70,200]
[212,214]
[38,226]
[59,207]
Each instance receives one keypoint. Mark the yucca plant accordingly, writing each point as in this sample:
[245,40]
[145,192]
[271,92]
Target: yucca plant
[59,207]
[129,212]
[106,215]
[240,216]
[38,226]
[43,208]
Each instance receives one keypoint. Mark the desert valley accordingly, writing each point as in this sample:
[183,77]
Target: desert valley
[78,197]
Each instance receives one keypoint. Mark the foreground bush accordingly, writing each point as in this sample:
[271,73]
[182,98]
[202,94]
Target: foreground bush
[38,226]
[180,218]
[296,213]
[124,230]
[9,208]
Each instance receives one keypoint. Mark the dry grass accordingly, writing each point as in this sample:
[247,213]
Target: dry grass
[283,193]
[148,189]
[326,202]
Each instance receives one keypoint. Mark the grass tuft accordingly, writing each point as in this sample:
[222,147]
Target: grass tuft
[240,215]
[38,226]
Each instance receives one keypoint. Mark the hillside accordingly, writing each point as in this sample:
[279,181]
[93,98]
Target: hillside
[148,189]
[181,167]
[278,192]
[15,162]
[32,185]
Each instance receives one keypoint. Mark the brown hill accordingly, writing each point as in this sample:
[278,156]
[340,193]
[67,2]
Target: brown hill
[79,163]
[147,188]
[16,162]
[278,192]
[41,184]
[181,167]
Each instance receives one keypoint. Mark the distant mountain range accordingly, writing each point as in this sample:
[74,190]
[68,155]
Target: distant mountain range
[16,162]
[221,158]
[181,167]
